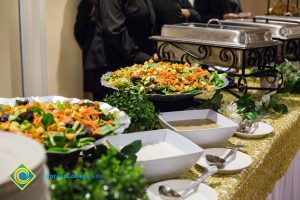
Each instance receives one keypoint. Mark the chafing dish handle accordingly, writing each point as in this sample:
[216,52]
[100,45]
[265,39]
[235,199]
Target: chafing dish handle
[215,20]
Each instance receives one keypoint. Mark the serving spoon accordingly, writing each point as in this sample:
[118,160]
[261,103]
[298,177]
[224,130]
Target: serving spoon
[213,160]
[246,126]
[168,193]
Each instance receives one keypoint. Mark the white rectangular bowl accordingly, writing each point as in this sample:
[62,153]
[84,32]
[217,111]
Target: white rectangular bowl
[163,168]
[206,138]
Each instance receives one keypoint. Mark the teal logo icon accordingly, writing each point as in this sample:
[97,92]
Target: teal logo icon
[22,176]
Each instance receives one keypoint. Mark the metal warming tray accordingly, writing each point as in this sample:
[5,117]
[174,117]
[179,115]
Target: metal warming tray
[218,45]
[273,18]
[286,32]
[218,35]
[280,30]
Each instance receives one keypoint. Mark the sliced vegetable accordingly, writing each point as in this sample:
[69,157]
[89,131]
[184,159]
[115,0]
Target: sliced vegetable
[163,77]
[59,125]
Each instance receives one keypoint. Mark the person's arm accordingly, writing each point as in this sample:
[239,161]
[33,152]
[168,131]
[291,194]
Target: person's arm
[114,27]
[202,7]
[189,12]
[82,20]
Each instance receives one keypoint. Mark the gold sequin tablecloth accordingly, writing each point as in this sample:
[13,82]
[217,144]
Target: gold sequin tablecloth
[271,156]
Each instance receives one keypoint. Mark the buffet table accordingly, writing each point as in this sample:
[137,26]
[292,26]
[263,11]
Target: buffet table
[272,156]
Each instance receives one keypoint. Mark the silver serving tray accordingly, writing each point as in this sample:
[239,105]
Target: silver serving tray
[280,30]
[273,18]
[217,35]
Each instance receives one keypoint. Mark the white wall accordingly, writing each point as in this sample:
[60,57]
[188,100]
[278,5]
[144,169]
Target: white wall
[256,7]
[10,57]
[63,54]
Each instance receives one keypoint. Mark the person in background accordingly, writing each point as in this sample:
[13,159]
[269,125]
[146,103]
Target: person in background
[174,12]
[220,9]
[92,49]
[126,26]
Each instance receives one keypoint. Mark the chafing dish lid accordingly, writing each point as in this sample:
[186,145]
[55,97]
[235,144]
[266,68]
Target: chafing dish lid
[280,30]
[231,36]
[274,18]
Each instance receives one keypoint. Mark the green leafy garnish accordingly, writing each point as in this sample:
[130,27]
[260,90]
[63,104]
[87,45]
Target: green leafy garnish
[132,148]
[140,110]
[213,103]
[55,140]
[36,109]
[291,74]
[48,119]
[120,178]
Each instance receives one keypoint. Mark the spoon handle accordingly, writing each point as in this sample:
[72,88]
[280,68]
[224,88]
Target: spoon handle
[231,152]
[210,171]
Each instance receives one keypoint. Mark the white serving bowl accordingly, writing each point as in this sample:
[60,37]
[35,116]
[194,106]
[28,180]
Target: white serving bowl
[167,167]
[211,137]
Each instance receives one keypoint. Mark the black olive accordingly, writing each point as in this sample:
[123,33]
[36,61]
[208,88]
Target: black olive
[26,116]
[70,125]
[22,103]
[4,117]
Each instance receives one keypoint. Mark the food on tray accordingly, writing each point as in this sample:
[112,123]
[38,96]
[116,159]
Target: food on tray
[59,125]
[163,78]
[157,151]
[194,124]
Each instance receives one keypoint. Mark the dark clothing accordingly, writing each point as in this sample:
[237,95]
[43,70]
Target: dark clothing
[209,9]
[93,55]
[195,16]
[84,28]
[92,78]
[169,12]
[126,26]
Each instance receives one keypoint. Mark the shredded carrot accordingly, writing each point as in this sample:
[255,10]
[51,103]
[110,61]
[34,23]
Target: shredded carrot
[108,122]
[89,123]
[37,120]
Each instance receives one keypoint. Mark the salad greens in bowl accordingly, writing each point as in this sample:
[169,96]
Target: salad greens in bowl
[64,126]
[164,80]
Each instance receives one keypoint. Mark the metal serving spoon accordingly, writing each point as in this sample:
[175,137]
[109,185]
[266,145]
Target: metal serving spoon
[222,162]
[246,125]
[168,193]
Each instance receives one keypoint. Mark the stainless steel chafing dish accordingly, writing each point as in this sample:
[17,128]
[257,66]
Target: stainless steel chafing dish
[287,32]
[279,30]
[273,18]
[227,46]
[217,45]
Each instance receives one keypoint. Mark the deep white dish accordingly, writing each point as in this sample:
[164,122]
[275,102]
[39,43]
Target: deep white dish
[212,137]
[167,167]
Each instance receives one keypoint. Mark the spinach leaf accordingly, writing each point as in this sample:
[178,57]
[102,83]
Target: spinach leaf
[36,109]
[281,108]
[48,119]
[251,115]
[56,140]
[132,148]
